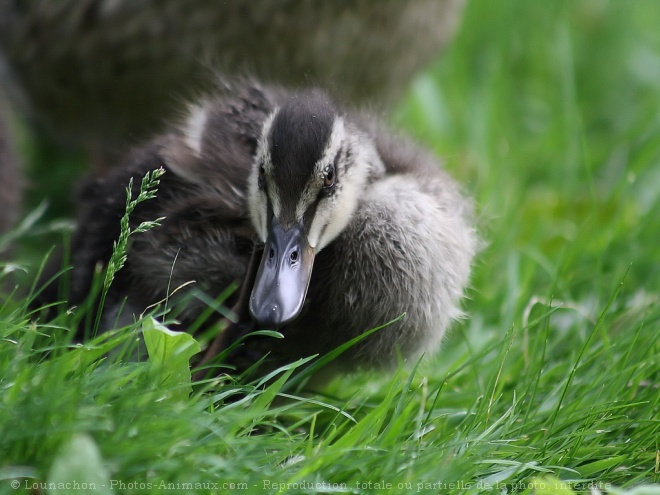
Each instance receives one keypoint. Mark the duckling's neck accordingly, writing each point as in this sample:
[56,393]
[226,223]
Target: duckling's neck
[366,159]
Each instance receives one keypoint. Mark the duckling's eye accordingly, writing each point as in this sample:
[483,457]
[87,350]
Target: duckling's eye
[330,177]
[261,181]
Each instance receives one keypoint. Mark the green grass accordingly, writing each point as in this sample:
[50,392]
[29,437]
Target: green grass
[549,113]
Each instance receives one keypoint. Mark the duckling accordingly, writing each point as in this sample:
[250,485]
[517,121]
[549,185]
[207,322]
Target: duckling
[358,227]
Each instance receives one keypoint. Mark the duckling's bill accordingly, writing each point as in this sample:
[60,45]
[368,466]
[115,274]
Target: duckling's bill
[283,277]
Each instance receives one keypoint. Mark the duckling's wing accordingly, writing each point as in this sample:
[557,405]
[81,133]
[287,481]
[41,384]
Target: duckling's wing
[205,239]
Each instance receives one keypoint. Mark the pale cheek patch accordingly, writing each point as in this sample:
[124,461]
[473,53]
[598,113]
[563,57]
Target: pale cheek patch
[332,216]
[193,129]
[258,203]
[334,213]
[258,213]
[318,224]
[262,155]
[274,196]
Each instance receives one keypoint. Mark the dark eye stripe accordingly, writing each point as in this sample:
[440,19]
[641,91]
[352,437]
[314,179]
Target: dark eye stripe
[335,162]
[346,151]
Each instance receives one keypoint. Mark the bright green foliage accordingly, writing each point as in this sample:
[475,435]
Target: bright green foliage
[170,353]
[549,113]
[78,468]
[148,189]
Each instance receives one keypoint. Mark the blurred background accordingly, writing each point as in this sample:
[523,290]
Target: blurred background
[549,112]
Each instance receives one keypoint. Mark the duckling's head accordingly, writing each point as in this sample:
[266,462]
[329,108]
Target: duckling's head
[309,170]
